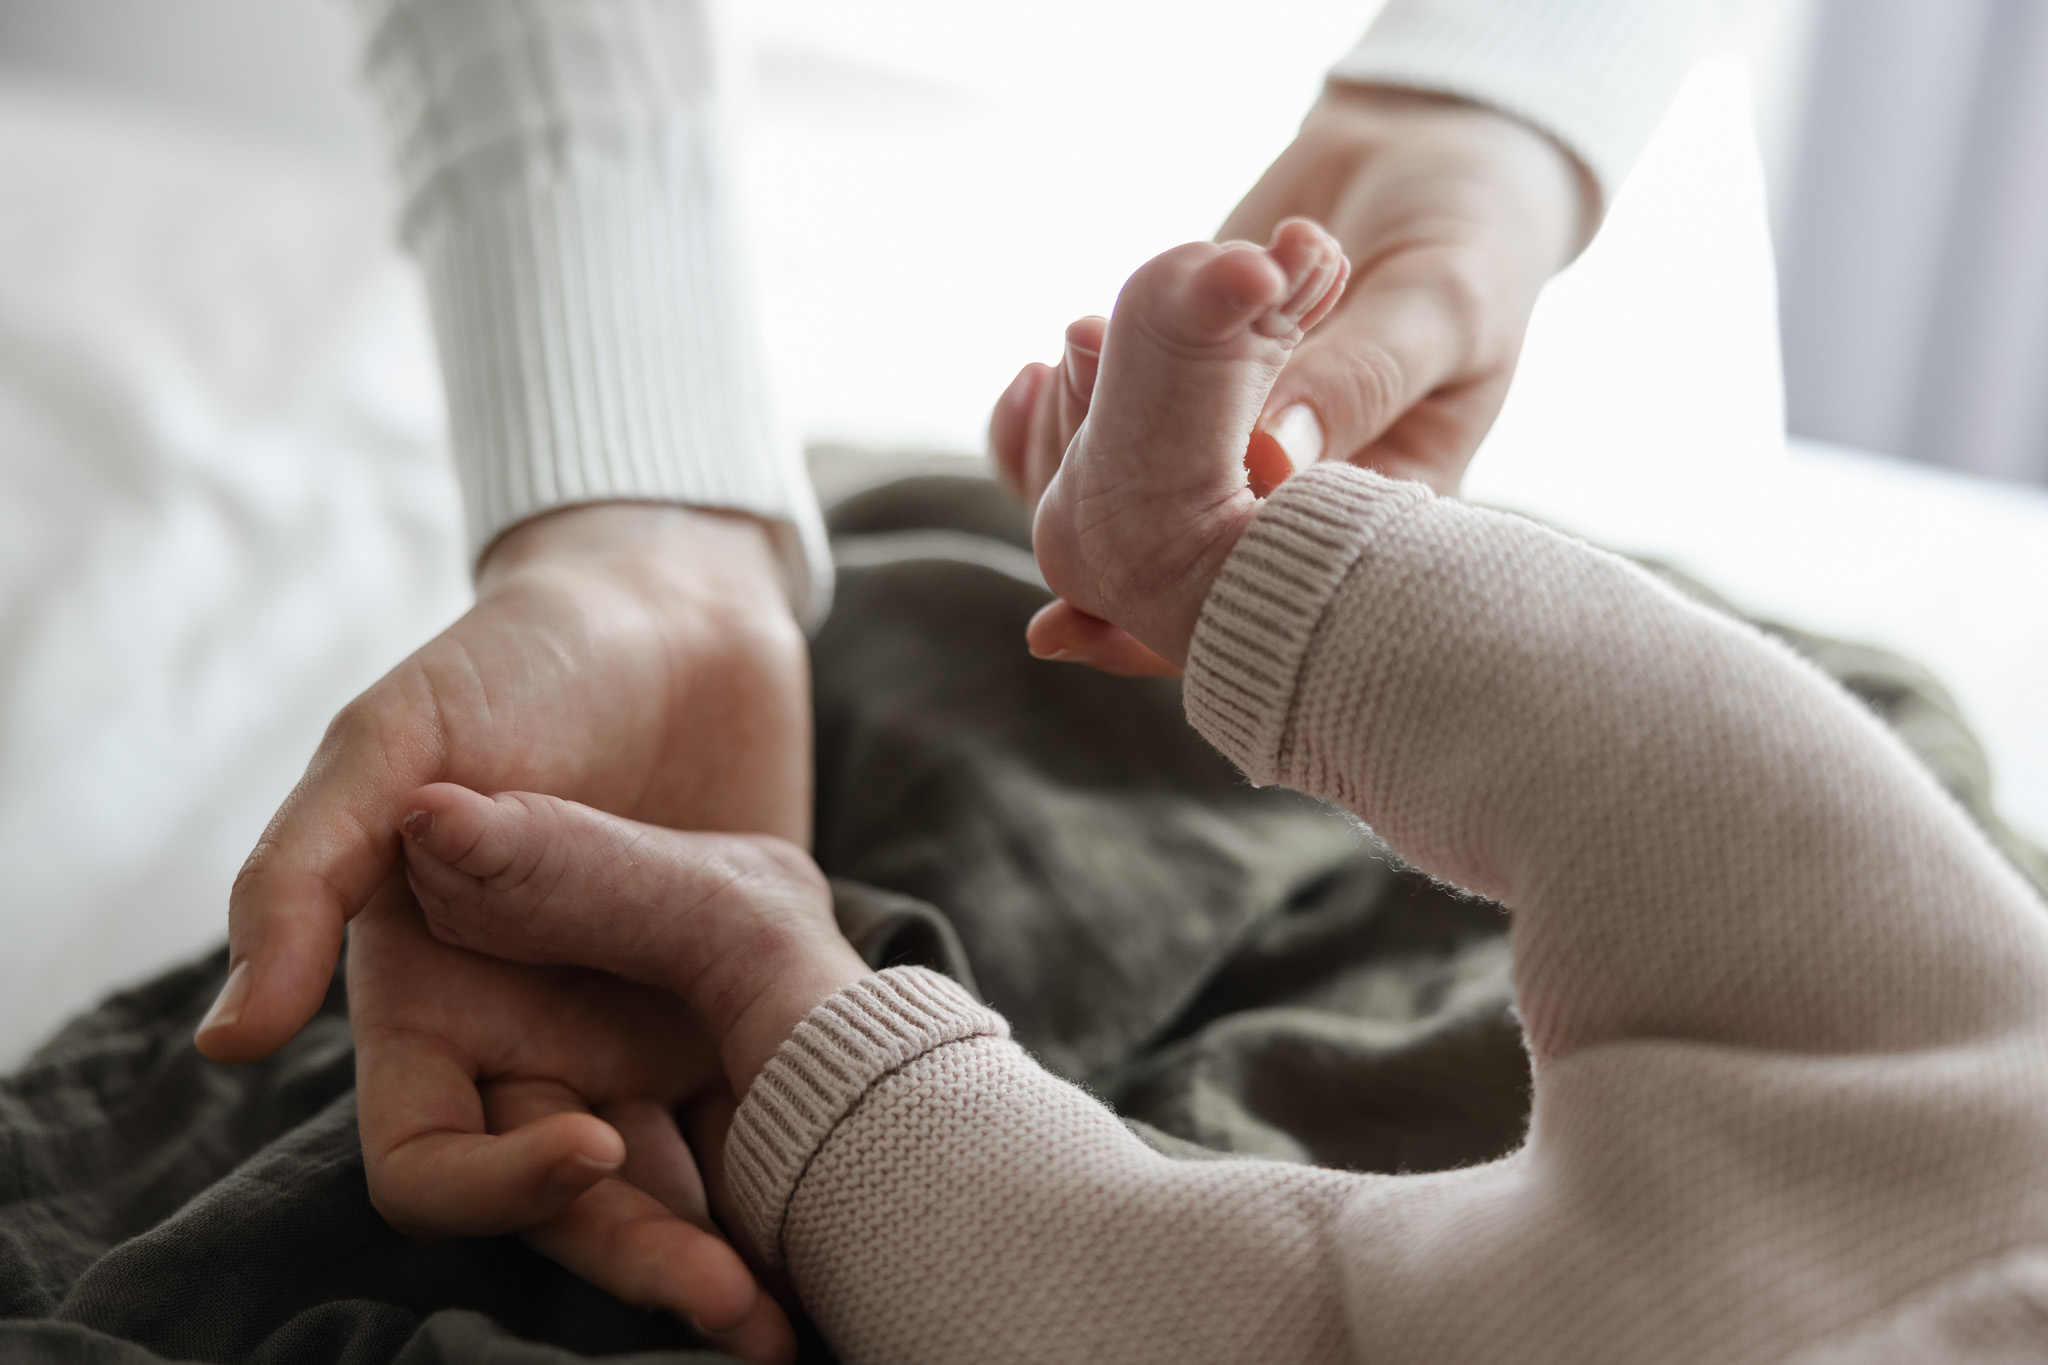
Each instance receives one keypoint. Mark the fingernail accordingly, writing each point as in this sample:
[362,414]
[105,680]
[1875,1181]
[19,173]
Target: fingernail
[579,1172]
[1299,433]
[417,824]
[234,995]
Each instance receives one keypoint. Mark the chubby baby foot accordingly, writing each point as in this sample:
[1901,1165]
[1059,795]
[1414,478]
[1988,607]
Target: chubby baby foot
[740,926]
[1151,494]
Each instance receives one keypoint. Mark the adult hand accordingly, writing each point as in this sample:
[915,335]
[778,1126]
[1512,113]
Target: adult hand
[1453,217]
[575,1073]
[638,658]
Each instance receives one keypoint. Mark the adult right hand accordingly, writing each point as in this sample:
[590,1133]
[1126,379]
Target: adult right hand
[1453,217]
[637,658]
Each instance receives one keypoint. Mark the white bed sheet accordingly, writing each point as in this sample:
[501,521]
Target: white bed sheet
[225,506]
[224,509]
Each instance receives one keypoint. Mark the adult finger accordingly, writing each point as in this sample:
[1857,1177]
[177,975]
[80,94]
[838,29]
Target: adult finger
[623,1238]
[324,854]
[434,1168]
[657,1159]
[1402,338]
[1080,361]
[1010,423]
[1066,634]
[1061,406]
[1035,420]
[707,1121]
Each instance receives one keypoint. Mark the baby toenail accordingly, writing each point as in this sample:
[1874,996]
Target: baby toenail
[418,824]
[1299,432]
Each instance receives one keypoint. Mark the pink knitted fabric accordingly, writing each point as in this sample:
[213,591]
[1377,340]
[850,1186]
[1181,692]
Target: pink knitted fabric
[1788,1011]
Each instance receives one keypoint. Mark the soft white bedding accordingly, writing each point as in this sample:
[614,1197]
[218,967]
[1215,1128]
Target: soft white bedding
[224,507]
[223,510]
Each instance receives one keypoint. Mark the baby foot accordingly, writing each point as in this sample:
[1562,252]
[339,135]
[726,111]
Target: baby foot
[740,926]
[1152,493]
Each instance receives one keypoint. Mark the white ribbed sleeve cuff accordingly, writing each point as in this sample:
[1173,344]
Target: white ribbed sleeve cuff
[597,344]
[1255,629]
[1596,75]
[568,194]
[858,1037]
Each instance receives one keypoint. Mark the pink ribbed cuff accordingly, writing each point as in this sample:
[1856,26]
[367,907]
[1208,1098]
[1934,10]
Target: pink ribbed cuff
[1244,663]
[846,1046]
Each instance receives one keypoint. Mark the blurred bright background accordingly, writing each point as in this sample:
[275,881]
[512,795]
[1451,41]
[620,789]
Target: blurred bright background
[225,507]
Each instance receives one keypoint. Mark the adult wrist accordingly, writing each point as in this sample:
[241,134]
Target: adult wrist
[729,557]
[1595,74]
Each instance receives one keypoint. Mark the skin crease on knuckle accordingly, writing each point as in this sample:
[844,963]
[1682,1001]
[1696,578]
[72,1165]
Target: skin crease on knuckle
[256,868]
[539,862]
[364,726]
[460,913]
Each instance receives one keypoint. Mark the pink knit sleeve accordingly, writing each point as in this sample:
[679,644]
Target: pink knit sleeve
[1701,836]
[935,1195]
[1787,1010]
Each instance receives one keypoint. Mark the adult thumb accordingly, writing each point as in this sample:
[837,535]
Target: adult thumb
[325,853]
[1359,387]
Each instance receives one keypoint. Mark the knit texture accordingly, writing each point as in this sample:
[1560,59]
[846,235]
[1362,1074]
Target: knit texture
[824,1069]
[1262,613]
[568,196]
[1787,1013]
[1594,74]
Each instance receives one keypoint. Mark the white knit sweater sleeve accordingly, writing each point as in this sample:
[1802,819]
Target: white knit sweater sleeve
[568,193]
[1788,1013]
[1596,75]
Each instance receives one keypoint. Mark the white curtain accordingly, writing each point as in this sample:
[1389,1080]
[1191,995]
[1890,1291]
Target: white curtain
[1915,278]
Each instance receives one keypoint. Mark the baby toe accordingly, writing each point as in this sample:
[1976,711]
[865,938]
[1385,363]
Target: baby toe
[1230,290]
[1315,268]
[479,836]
